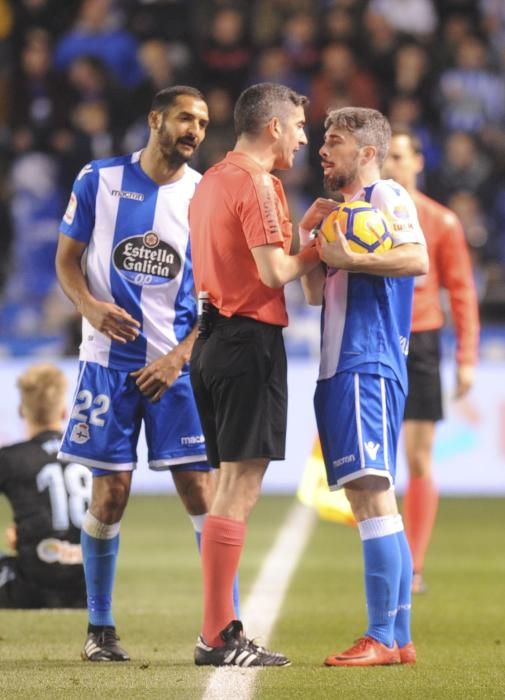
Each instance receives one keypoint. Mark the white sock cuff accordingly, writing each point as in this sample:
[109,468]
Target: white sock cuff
[198,521]
[101,531]
[379,527]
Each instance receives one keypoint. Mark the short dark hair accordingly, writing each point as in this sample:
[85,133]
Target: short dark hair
[414,140]
[165,98]
[258,104]
[368,126]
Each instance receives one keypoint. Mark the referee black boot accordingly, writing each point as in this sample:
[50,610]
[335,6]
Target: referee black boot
[238,650]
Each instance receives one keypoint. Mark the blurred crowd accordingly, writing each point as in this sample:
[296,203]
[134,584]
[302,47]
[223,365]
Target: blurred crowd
[77,78]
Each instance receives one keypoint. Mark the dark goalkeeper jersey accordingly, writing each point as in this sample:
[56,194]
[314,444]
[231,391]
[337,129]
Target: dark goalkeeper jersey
[48,500]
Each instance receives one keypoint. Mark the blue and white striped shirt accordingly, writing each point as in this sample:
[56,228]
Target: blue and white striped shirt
[138,256]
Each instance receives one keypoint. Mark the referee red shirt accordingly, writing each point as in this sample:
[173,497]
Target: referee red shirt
[451,269]
[238,206]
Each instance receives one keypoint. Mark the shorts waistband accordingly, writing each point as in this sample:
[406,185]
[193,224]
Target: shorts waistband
[211,318]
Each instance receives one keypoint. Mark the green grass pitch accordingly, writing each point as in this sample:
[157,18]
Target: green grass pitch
[459,624]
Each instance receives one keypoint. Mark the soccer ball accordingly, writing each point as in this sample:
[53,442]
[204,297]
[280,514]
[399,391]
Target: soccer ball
[364,227]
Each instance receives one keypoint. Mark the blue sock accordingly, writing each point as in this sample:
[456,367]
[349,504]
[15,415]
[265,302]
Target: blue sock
[382,575]
[100,544]
[198,521]
[402,622]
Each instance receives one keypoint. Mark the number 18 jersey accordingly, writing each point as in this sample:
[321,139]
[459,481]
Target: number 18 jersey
[137,256]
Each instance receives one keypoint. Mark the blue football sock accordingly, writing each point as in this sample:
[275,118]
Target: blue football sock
[382,575]
[100,544]
[402,622]
[198,521]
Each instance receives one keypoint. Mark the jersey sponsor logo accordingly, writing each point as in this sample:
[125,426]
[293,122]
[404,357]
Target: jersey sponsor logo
[69,215]
[80,433]
[371,449]
[124,194]
[52,550]
[192,440]
[344,460]
[146,260]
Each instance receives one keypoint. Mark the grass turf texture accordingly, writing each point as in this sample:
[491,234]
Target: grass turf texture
[458,625]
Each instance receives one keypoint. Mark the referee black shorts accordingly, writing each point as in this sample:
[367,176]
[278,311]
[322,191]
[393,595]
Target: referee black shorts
[424,399]
[239,378]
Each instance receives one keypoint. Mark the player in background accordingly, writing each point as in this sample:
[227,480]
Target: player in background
[127,225]
[241,236]
[367,303]
[450,269]
[48,500]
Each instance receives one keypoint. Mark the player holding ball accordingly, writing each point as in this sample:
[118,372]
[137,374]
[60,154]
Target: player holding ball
[362,383]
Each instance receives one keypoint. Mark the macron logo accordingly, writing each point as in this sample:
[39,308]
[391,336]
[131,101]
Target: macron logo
[372,448]
[192,440]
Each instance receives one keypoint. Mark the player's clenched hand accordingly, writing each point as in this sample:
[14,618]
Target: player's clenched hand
[336,254]
[158,376]
[111,320]
[318,210]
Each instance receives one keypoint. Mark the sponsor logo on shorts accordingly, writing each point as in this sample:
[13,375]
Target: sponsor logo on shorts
[344,460]
[192,440]
[371,449]
[146,260]
[124,194]
[80,433]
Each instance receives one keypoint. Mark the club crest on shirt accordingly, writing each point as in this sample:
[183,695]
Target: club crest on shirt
[80,433]
[146,260]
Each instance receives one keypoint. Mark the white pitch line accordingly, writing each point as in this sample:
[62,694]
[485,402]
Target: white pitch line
[265,600]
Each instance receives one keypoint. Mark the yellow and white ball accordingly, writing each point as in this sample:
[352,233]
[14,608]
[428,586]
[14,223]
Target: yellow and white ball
[363,225]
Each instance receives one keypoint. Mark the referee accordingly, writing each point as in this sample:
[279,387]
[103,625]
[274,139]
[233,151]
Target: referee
[241,237]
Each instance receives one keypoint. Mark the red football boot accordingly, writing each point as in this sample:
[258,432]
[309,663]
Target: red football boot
[408,653]
[366,652]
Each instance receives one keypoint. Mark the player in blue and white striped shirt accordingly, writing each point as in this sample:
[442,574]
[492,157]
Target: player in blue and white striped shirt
[367,304]
[124,260]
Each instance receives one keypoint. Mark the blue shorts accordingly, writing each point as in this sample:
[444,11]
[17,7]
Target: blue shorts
[106,417]
[359,417]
